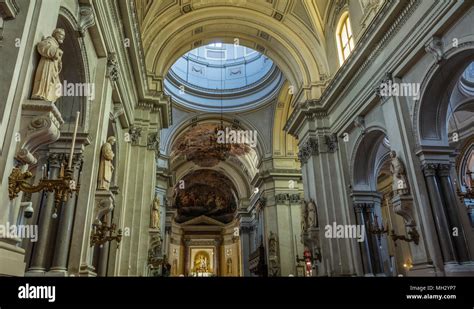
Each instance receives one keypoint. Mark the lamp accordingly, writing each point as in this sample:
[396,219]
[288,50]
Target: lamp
[413,236]
[376,229]
[63,187]
[101,233]
[220,149]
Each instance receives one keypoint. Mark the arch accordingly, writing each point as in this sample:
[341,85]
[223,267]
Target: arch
[283,144]
[297,53]
[234,173]
[431,112]
[75,72]
[367,159]
[177,130]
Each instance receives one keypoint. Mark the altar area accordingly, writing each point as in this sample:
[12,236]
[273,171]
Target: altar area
[204,247]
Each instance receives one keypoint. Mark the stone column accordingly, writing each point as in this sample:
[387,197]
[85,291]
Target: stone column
[40,253]
[245,245]
[63,237]
[452,212]
[439,214]
[365,249]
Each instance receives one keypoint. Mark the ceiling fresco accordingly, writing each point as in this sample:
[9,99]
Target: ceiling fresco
[195,145]
[206,192]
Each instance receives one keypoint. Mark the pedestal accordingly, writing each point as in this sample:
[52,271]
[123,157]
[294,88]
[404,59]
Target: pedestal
[12,258]
[40,126]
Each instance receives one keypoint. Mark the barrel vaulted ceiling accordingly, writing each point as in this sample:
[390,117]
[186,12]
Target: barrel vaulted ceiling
[289,32]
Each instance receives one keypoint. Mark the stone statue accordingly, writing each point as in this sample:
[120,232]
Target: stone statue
[312,214]
[273,260]
[47,85]
[106,167]
[155,214]
[399,183]
[229,266]
[304,215]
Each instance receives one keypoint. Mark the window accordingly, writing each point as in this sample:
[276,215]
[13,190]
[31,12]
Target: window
[216,45]
[345,40]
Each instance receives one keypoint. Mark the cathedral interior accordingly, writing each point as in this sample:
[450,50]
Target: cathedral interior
[236,138]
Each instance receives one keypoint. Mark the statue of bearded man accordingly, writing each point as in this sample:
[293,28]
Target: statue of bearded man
[47,85]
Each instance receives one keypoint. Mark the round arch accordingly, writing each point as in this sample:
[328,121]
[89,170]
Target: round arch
[283,143]
[176,131]
[367,159]
[298,54]
[432,110]
[75,71]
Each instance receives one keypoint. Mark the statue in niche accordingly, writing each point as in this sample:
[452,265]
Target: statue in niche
[273,260]
[397,168]
[304,215]
[47,85]
[106,167]
[312,214]
[229,266]
[155,214]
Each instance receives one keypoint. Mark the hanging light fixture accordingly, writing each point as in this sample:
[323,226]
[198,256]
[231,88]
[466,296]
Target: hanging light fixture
[221,149]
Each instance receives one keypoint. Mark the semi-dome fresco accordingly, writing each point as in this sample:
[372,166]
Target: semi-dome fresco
[235,76]
[207,192]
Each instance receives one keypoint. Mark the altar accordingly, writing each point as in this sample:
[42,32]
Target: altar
[202,262]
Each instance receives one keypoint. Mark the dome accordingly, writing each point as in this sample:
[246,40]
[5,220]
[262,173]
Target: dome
[239,77]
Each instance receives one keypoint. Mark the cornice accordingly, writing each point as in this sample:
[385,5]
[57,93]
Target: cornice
[367,49]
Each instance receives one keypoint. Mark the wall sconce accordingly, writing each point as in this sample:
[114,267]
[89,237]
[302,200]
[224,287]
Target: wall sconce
[63,187]
[413,236]
[408,265]
[376,229]
[102,233]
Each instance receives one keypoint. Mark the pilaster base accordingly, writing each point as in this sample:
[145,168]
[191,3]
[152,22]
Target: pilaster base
[459,270]
[57,273]
[87,271]
[423,270]
[11,259]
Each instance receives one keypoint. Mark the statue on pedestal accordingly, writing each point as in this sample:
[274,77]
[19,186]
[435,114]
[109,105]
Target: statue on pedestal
[312,214]
[155,214]
[47,85]
[397,168]
[106,167]
[304,215]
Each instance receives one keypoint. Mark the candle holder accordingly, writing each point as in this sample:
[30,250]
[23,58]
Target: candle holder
[413,236]
[101,233]
[376,229]
[63,187]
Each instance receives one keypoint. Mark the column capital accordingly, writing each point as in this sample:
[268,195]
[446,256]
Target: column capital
[444,169]
[363,207]
[55,159]
[429,169]
[381,90]
[308,149]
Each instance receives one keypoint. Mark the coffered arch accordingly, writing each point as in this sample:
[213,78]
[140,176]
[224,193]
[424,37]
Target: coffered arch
[290,42]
